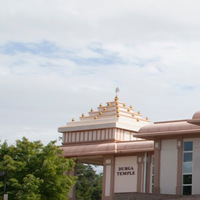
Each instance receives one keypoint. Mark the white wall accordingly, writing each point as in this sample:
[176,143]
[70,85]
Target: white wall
[196,166]
[125,179]
[168,167]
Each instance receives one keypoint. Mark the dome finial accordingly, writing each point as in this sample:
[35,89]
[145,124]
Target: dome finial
[117,91]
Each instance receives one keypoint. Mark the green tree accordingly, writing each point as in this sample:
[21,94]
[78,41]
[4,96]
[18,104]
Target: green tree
[35,171]
[89,183]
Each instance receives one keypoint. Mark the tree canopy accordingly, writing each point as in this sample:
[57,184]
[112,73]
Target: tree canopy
[35,171]
[89,183]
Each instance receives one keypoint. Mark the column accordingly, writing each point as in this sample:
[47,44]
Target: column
[148,184]
[157,148]
[72,195]
[108,178]
[140,161]
[179,166]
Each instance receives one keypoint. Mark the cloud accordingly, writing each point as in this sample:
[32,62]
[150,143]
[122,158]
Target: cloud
[60,60]
[78,23]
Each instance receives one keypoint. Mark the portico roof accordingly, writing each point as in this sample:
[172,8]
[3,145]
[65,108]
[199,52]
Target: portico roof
[108,130]
[108,148]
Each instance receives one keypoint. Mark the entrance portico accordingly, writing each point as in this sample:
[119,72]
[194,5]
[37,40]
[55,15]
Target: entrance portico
[108,137]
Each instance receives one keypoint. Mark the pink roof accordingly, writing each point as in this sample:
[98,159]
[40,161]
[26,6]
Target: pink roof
[168,129]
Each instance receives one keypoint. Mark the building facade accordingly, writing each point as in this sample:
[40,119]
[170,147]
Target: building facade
[177,155]
[162,158]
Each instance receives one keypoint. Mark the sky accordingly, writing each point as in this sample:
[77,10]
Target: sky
[60,58]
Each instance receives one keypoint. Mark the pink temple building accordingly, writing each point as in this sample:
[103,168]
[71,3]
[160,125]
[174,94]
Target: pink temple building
[160,158]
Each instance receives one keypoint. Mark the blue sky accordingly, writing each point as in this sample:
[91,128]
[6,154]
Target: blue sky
[59,61]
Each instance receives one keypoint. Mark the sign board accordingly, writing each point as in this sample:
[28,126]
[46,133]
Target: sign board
[125,174]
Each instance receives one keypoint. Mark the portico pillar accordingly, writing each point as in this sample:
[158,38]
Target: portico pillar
[157,148]
[72,195]
[108,178]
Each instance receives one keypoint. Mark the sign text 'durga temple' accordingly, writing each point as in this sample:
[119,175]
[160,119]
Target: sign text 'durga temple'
[125,171]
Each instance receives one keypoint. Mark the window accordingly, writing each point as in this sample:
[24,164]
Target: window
[187,167]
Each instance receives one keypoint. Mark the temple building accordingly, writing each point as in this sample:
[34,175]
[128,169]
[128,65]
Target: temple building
[161,158]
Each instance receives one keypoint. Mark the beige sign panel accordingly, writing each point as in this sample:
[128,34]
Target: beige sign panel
[125,174]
